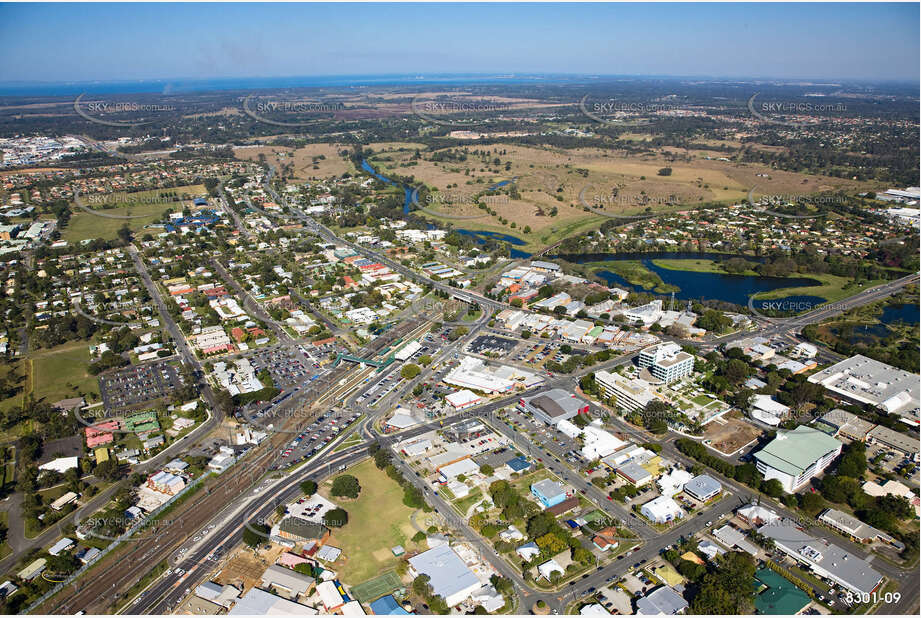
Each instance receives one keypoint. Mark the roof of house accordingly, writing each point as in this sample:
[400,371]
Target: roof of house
[565,505]
[548,488]
[258,602]
[302,528]
[282,577]
[517,464]
[387,606]
[662,600]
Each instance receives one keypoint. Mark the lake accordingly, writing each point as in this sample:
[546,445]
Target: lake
[736,289]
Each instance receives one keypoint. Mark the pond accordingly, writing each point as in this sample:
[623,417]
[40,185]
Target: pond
[728,288]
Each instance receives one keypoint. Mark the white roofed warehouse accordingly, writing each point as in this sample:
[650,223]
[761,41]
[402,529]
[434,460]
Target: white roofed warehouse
[449,577]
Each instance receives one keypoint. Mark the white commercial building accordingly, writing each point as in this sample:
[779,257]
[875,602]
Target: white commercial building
[599,443]
[794,457]
[631,395]
[667,362]
[767,410]
[662,510]
[458,468]
[646,315]
[673,483]
[474,374]
[462,399]
[871,382]
[449,575]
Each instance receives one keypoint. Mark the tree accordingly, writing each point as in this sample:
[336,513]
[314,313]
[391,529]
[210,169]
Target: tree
[853,461]
[425,360]
[335,518]
[727,589]
[124,233]
[422,586]
[381,459]
[309,487]
[345,486]
[410,371]
[486,470]
[773,488]
[412,497]
[550,544]
[255,534]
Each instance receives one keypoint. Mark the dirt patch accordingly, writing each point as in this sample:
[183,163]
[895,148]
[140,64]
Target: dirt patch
[727,435]
[246,569]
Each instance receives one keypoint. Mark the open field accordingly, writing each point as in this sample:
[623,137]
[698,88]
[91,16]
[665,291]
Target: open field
[83,225]
[698,266]
[309,162]
[378,520]
[60,372]
[550,186]
[832,288]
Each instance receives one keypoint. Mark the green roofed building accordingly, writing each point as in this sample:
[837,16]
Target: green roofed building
[796,456]
[778,596]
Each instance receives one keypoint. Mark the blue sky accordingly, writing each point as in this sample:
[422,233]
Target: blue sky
[78,42]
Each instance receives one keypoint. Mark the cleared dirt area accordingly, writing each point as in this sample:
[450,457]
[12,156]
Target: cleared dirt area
[246,569]
[727,435]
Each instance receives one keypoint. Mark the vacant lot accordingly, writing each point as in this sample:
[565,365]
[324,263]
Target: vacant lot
[727,435]
[313,161]
[378,521]
[60,372]
[84,225]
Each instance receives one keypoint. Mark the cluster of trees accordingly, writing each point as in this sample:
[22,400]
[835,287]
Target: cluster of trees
[845,487]
[412,496]
[726,588]
[746,473]
[59,330]
[579,360]
[542,527]
[422,587]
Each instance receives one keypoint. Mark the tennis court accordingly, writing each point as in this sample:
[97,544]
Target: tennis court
[377,587]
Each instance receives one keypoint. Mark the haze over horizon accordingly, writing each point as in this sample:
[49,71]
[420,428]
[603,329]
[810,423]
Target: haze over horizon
[240,41]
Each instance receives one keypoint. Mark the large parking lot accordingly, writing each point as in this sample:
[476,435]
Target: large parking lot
[286,369]
[391,380]
[549,438]
[136,385]
[316,435]
[493,344]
